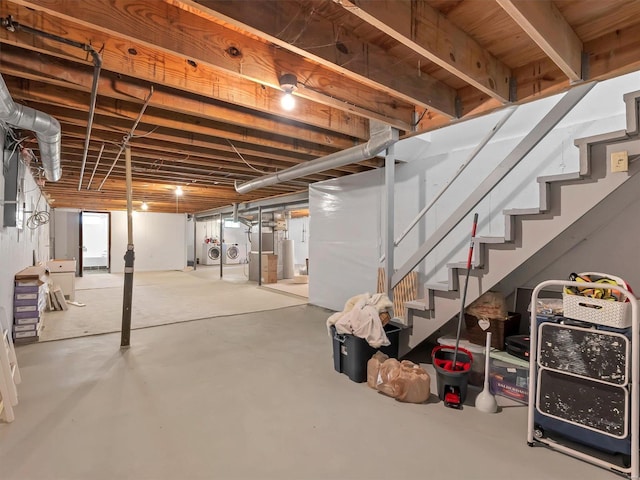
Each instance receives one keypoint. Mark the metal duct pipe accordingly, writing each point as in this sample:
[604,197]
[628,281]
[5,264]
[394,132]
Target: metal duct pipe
[382,137]
[11,25]
[46,128]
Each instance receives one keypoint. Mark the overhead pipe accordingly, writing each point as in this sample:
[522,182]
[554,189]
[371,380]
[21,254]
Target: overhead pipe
[127,137]
[382,136]
[97,65]
[11,25]
[46,128]
[95,167]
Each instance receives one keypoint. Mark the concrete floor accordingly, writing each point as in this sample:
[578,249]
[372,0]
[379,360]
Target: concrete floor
[160,298]
[250,396]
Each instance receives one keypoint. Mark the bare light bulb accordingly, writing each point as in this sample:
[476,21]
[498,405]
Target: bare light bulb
[179,191]
[144,206]
[288,102]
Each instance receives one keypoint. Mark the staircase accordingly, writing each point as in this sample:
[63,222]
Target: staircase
[564,200]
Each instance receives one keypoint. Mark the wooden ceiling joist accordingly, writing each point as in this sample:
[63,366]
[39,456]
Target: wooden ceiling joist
[328,43]
[177,32]
[428,32]
[544,23]
[74,76]
[215,116]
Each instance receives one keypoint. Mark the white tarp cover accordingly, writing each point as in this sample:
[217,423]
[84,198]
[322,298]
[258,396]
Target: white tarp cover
[346,213]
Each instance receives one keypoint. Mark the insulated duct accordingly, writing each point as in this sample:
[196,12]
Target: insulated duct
[46,128]
[382,136]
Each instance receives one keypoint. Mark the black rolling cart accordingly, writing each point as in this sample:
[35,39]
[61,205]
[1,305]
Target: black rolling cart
[584,378]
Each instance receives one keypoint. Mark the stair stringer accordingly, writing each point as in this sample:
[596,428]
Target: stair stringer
[564,199]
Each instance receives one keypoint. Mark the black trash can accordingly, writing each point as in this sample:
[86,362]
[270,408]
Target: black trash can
[351,353]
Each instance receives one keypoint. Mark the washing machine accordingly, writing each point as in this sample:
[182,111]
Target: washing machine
[232,254]
[211,254]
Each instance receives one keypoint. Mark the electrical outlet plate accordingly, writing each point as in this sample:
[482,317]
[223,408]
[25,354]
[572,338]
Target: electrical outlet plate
[620,161]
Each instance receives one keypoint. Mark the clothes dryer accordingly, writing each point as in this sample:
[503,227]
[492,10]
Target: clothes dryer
[211,254]
[232,255]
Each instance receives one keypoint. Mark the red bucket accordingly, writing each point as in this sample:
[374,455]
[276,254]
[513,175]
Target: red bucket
[447,376]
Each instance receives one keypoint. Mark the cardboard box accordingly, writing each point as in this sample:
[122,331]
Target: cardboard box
[27,296]
[29,333]
[25,308]
[33,276]
[25,303]
[61,265]
[25,328]
[24,288]
[26,320]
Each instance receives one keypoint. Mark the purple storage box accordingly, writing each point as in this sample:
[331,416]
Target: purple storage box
[26,289]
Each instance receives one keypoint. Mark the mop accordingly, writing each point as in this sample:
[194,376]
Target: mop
[454,396]
[464,291]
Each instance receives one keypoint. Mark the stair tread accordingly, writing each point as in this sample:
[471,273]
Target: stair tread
[416,305]
[439,286]
[522,211]
[462,265]
[488,239]
[559,177]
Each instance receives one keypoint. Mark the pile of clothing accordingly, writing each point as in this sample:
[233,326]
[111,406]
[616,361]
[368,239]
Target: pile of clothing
[361,317]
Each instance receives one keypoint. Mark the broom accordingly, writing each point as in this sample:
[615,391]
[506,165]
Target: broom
[464,291]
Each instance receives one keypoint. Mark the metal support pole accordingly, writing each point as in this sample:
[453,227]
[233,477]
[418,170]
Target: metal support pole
[389,182]
[128,259]
[222,252]
[259,246]
[195,243]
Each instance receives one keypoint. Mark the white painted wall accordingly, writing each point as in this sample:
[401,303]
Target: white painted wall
[19,247]
[65,233]
[300,239]
[346,213]
[160,241]
[613,249]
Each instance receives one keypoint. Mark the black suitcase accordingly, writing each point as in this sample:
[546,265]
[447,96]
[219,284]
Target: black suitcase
[518,346]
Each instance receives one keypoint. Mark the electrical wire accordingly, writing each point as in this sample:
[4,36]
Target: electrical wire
[417,122]
[38,218]
[242,158]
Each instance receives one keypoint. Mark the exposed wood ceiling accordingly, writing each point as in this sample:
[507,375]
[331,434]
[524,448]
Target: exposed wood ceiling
[214,117]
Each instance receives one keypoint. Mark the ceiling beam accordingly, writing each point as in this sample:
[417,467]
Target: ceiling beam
[174,31]
[124,58]
[153,154]
[178,128]
[17,62]
[546,26]
[331,45]
[426,31]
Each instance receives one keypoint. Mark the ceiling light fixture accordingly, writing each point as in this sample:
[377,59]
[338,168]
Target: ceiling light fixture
[288,83]
[179,191]
[144,206]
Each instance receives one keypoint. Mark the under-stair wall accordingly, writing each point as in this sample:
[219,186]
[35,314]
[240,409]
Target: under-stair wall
[356,202]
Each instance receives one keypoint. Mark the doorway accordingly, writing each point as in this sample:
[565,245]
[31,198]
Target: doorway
[95,241]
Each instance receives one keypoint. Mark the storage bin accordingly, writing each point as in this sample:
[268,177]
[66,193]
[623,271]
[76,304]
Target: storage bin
[509,376]
[594,310]
[351,353]
[499,328]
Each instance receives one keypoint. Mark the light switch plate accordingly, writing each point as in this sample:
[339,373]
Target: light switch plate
[619,162]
